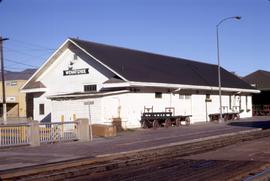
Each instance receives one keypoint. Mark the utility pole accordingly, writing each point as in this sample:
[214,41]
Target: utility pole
[3,80]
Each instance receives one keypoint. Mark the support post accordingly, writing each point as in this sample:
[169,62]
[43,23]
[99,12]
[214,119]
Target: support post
[3,81]
[34,136]
[83,130]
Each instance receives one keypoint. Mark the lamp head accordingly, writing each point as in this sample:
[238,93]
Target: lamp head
[238,17]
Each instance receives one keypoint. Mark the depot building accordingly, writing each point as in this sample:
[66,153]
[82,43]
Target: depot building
[120,83]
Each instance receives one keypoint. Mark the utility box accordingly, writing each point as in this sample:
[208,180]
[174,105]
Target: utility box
[103,130]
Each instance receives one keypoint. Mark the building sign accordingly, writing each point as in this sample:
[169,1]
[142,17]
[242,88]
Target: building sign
[89,103]
[76,72]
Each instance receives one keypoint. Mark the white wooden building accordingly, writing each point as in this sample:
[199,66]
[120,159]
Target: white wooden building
[123,82]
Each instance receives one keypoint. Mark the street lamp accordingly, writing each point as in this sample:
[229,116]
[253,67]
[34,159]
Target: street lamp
[219,76]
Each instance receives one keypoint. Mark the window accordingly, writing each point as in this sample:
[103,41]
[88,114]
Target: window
[75,56]
[186,96]
[208,98]
[41,109]
[158,95]
[230,102]
[247,107]
[181,96]
[90,88]
[11,83]
[240,102]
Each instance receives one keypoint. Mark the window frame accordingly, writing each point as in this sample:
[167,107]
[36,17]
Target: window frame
[158,95]
[41,109]
[87,88]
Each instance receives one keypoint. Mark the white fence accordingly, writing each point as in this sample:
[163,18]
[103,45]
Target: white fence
[14,134]
[34,133]
[58,132]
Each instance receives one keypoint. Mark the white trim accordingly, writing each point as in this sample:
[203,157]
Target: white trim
[99,61]
[34,90]
[44,64]
[115,85]
[176,86]
[87,95]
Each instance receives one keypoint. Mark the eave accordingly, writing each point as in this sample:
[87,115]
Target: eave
[176,86]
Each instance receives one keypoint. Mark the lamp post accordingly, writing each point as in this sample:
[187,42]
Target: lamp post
[219,76]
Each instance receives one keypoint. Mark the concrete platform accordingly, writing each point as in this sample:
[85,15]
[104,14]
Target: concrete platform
[125,141]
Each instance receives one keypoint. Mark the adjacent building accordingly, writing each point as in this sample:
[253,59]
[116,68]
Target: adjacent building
[16,100]
[121,83]
[260,79]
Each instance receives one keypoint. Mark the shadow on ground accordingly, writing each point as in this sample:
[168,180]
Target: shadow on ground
[252,124]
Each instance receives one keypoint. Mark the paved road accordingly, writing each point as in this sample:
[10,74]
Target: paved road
[125,141]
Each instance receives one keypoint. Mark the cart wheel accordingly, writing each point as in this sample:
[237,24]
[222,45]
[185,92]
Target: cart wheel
[168,123]
[178,122]
[156,124]
[144,125]
[187,121]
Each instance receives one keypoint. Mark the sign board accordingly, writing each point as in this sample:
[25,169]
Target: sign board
[75,72]
[89,103]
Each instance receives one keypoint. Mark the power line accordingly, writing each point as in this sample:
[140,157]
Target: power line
[16,62]
[20,52]
[33,49]
[32,44]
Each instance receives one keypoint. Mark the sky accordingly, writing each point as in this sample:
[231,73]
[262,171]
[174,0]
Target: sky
[179,28]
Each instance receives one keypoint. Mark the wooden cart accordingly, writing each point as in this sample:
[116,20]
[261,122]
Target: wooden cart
[225,116]
[165,119]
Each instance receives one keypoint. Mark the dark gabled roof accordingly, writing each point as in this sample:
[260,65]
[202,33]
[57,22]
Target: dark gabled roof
[141,66]
[23,75]
[259,78]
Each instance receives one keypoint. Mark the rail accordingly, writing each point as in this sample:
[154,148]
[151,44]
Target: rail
[14,135]
[58,132]
[122,162]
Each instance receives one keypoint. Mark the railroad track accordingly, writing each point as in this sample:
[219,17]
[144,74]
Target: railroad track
[147,162]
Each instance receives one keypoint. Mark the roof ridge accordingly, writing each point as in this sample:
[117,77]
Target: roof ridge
[142,51]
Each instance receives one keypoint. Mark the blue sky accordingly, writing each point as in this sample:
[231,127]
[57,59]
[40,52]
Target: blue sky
[181,28]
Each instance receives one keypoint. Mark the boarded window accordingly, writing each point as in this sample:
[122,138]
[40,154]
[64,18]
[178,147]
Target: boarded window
[90,88]
[158,95]
[41,109]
